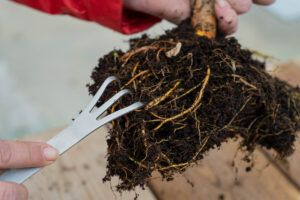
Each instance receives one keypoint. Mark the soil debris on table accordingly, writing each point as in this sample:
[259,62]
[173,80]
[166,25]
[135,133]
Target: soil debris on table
[199,93]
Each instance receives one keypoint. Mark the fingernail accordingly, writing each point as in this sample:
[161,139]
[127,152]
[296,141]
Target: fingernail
[221,3]
[50,154]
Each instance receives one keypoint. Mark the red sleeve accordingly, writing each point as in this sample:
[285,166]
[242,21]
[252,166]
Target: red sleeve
[110,13]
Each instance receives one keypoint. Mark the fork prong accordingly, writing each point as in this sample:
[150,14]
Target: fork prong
[99,93]
[121,112]
[110,102]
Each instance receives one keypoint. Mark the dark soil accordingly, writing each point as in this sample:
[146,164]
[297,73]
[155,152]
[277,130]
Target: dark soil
[211,91]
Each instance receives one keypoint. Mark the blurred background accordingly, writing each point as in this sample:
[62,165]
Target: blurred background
[46,61]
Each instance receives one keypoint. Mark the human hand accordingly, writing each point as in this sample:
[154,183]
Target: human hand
[227,11]
[15,155]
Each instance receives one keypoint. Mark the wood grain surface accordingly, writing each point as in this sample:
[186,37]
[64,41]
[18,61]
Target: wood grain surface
[77,175]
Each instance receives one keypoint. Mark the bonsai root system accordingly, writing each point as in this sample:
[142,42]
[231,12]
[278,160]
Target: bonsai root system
[198,94]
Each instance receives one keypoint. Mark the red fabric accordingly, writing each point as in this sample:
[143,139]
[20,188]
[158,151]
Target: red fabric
[110,13]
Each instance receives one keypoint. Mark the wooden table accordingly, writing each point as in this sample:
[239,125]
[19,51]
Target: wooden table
[77,175]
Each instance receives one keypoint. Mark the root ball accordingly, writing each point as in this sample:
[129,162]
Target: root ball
[197,97]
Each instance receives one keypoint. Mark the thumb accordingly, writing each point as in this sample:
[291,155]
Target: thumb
[25,154]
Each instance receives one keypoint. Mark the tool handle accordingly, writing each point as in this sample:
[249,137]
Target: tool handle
[20,175]
[204,18]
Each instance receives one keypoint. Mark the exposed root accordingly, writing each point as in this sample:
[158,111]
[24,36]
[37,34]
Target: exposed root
[130,54]
[186,93]
[244,81]
[195,104]
[156,101]
[135,77]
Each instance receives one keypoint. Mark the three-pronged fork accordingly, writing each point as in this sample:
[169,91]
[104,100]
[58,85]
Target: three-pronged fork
[87,122]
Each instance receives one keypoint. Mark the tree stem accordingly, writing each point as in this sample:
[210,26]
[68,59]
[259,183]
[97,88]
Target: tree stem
[204,19]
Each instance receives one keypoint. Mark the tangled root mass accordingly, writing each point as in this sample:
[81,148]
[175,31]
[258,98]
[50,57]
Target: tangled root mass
[198,93]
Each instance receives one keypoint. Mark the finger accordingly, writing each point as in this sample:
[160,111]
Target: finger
[12,191]
[227,17]
[25,154]
[264,2]
[240,6]
[174,11]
